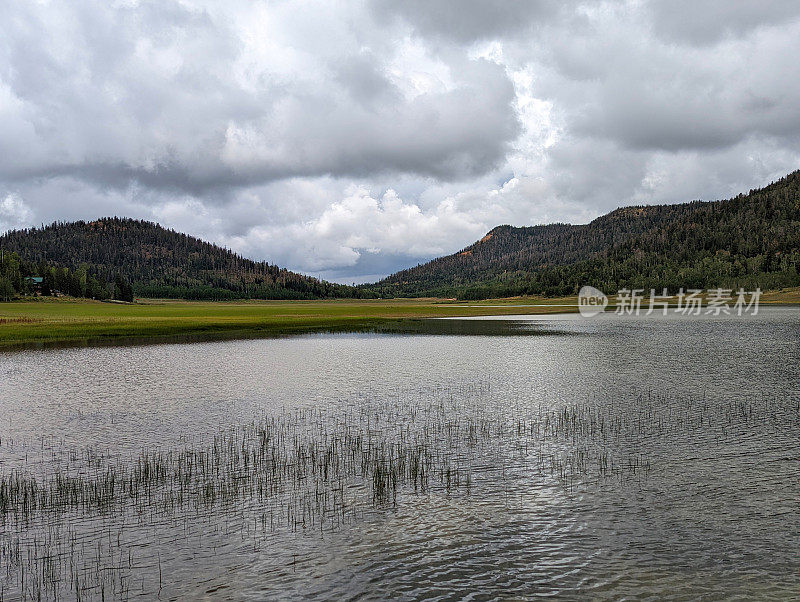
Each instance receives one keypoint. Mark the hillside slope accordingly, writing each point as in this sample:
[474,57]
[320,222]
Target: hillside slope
[161,262]
[750,240]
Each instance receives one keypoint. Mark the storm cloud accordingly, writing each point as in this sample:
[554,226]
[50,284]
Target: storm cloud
[350,139]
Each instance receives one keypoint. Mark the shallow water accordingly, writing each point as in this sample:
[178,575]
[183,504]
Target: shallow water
[709,406]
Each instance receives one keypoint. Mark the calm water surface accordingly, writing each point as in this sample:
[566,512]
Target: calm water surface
[709,406]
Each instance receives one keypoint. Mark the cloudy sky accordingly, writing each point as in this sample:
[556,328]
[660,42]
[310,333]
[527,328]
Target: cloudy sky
[351,139]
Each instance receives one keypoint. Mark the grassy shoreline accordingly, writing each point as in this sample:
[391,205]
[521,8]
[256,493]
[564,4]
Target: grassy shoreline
[47,322]
[71,321]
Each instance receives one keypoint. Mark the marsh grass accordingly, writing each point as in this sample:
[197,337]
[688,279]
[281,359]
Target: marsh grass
[88,524]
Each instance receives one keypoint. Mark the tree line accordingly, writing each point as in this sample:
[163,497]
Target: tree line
[20,278]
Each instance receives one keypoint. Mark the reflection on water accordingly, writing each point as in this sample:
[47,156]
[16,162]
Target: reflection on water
[606,458]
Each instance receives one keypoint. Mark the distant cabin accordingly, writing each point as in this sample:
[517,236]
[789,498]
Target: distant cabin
[35,282]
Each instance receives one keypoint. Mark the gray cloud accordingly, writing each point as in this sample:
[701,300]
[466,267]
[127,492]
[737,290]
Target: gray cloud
[170,98]
[466,21]
[708,22]
[351,139]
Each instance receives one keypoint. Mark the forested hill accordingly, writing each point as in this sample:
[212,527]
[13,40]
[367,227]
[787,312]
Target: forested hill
[159,262]
[750,240]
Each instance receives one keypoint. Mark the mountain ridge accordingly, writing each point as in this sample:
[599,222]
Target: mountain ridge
[748,240]
[645,246]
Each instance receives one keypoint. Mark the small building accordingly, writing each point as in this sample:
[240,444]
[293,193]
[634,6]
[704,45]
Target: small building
[35,282]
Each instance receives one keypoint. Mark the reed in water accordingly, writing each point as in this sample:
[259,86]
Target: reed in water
[85,523]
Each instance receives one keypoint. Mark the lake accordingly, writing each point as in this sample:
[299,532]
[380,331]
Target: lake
[619,456]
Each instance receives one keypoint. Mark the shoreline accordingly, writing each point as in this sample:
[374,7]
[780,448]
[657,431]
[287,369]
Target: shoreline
[67,322]
[72,322]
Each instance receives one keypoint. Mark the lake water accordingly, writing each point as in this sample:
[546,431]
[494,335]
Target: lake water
[645,457]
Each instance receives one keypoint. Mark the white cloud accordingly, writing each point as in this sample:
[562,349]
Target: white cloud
[14,213]
[362,222]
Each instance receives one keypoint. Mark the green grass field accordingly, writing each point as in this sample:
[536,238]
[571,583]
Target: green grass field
[25,323]
[47,321]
